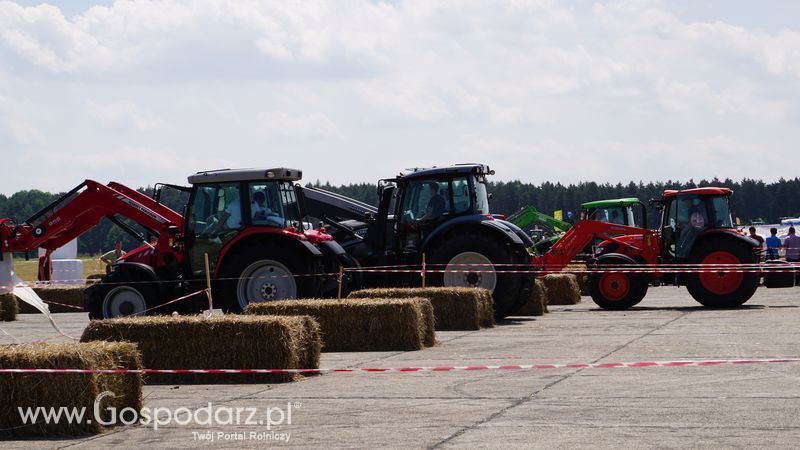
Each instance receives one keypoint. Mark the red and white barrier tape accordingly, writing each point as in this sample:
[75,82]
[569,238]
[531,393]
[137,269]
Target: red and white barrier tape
[414,369]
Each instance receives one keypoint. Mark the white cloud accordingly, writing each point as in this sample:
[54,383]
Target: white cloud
[521,85]
[122,113]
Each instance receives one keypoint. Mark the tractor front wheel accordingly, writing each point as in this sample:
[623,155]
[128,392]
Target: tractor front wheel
[722,288]
[121,294]
[616,289]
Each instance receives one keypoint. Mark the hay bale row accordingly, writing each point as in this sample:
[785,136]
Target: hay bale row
[72,296]
[562,289]
[9,307]
[353,325]
[536,305]
[67,390]
[218,342]
[455,308]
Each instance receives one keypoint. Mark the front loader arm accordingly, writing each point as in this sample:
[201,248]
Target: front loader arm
[78,211]
[582,234]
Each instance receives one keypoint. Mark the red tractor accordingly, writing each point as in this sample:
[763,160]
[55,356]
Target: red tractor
[248,222]
[694,245]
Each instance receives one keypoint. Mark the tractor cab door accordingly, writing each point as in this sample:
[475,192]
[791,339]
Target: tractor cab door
[214,217]
[424,205]
[685,217]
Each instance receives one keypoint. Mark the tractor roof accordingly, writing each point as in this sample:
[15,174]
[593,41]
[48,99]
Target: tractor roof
[699,191]
[611,203]
[432,172]
[232,175]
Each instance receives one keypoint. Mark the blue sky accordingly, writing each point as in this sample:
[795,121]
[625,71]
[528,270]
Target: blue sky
[144,92]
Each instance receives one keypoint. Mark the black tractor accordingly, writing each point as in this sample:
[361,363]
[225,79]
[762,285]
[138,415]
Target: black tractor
[442,213]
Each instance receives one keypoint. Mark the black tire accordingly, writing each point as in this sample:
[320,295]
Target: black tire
[616,290]
[722,289]
[121,293]
[509,291]
[264,272]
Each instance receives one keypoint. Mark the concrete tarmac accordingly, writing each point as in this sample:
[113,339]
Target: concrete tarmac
[721,406]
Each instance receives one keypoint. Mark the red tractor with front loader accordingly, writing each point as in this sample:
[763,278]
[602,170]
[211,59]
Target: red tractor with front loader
[248,222]
[696,245]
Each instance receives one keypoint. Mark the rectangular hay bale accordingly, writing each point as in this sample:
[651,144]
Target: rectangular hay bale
[359,324]
[72,296]
[536,305]
[216,342]
[455,308]
[9,307]
[67,390]
[562,289]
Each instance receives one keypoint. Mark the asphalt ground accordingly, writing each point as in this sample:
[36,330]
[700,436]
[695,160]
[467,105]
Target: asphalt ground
[715,406]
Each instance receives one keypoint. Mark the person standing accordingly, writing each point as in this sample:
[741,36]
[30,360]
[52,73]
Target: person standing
[792,245]
[113,256]
[773,244]
[755,236]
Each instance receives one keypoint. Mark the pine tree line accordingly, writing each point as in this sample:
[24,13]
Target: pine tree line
[752,200]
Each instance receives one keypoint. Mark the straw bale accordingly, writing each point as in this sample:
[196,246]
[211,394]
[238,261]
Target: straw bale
[536,305]
[359,324]
[455,308]
[217,342]
[562,289]
[68,390]
[72,296]
[9,307]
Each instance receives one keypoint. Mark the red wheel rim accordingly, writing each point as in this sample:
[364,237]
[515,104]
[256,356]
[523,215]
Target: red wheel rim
[614,286]
[721,283]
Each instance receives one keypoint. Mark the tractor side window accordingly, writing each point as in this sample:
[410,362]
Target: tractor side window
[461,197]
[291,209]
[265,209]
[722,212]
[481,197]
[424,201]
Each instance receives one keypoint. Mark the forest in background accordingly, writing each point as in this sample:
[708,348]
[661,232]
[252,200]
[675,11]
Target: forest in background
[752,200]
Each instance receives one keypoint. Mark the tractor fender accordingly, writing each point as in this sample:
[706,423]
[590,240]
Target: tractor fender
[494,227]
[296,244]
[526,240]
[606,256]
[144,272]
[728,234]
[626,258]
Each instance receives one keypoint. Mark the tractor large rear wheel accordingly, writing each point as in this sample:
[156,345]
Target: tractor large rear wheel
[616,289]
[476,260]
[722,289]
[262,273]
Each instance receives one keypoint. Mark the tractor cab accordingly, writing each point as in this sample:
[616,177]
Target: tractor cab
[618,211]
[688,214]
[223,203]
[417,202]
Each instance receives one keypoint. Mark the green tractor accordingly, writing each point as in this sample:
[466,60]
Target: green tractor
[546,230]
[619,211]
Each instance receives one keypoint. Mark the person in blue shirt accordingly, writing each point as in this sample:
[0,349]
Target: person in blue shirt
[773,244]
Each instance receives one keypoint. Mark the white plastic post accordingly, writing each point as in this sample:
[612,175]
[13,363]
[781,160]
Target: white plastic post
[6,271]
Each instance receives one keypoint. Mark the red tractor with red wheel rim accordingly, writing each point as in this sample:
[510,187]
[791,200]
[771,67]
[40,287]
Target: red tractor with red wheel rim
[696,245]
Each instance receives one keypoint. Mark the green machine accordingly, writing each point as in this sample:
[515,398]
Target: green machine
[546,230]
[618,210]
